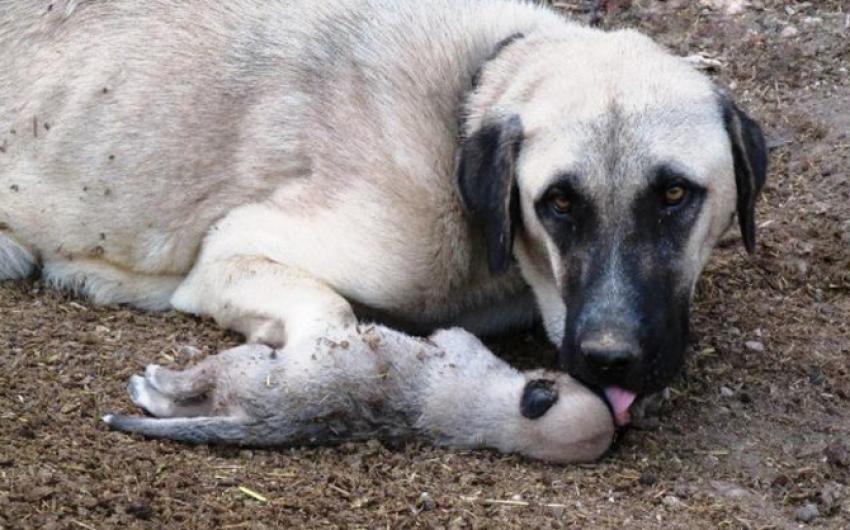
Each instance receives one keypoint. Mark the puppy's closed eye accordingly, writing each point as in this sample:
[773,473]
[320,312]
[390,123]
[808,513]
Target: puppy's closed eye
[538,397]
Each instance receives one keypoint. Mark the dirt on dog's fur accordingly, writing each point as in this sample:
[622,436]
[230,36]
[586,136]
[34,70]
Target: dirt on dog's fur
[757,429]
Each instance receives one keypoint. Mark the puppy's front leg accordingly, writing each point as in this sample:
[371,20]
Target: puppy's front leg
[266,301]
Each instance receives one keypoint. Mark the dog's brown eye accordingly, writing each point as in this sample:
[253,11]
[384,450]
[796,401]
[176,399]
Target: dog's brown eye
[675,195]
[560,202]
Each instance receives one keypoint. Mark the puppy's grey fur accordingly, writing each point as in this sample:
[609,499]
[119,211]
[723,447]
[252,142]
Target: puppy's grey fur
[276,165]
[360,384]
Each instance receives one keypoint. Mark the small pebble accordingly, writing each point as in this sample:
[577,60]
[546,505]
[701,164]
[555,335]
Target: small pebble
[729,490]
[140,511]
[830,498]
[838,454]
[781,482]
[685,491]
[789,32]
[190,352]
[425,503]
[672,503]
[806,513]
[647,478]
[725,391]
[754,345]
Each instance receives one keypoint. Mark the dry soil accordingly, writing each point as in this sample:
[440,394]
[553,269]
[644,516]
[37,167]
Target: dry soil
[757,428]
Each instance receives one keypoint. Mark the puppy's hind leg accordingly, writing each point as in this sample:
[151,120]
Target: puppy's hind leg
[195,391]
[145,395]
[182,385]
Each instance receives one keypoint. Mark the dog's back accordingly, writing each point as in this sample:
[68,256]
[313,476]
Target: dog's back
[129,128]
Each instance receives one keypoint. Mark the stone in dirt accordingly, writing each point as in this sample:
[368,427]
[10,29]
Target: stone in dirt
[729,489]
[838,454]
[754,345]
[730,7]
[789,32]
[425,502]
[806,513]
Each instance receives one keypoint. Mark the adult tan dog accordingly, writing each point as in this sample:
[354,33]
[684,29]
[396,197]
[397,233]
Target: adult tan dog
[280,165]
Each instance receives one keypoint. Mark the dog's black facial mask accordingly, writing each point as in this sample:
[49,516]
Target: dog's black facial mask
[626,297]
[627,305]
[627,302]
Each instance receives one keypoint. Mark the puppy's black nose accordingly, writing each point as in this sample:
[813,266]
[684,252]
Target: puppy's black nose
[538,396]
[608,356]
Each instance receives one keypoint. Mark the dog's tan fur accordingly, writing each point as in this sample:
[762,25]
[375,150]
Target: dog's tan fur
[274,165]
[208,157]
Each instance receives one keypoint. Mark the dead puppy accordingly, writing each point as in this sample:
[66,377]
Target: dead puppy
[372,383]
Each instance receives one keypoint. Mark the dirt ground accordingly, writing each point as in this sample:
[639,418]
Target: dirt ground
[758,427]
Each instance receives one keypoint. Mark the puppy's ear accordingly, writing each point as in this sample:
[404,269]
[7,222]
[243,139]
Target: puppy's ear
[486,177]
[750,156]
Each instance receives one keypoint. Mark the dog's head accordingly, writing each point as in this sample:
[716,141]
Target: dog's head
[608,169]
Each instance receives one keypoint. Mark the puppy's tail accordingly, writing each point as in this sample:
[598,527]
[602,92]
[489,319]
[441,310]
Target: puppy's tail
[200,430]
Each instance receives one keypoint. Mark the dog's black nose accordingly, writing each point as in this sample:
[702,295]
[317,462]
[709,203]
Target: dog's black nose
[609,357]
[605,361]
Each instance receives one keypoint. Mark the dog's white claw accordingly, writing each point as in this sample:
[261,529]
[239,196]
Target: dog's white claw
[107,418]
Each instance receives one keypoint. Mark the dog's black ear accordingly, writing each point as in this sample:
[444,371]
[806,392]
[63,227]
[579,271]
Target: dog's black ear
[486,177]
[750,156]
[501,45]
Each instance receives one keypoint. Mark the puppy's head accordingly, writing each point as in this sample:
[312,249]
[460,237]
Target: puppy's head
[562,420]
[607,169]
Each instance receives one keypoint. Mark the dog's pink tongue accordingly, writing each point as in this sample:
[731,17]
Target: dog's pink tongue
[620,400]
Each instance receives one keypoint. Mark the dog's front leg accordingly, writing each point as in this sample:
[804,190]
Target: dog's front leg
[268,302]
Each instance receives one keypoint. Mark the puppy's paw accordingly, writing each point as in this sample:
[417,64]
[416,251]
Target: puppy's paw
[145,396]
[137,390]
[150,373]
[151,376]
